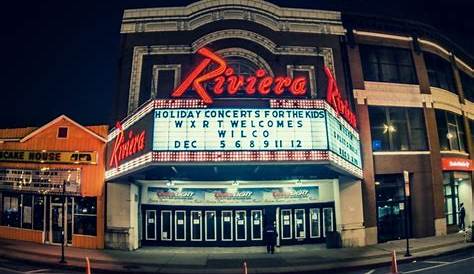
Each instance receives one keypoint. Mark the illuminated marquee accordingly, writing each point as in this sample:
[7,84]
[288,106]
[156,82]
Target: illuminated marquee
[223,75]
[126,145]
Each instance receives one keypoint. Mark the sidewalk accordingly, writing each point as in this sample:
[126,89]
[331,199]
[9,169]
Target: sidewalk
[288,259]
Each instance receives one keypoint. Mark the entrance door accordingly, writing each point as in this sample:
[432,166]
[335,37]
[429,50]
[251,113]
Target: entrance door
[300,223]
[314,223]
[180,225]
[226,223]
[57,221]
[240,225]
[257,226]
[328,220]
[286,229]
[150,229]
[196,226]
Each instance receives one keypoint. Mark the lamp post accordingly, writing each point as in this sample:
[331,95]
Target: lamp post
[64,217]
[406,194]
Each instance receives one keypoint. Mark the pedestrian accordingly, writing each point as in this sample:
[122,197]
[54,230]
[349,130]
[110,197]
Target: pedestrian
[462,215]
[270,238]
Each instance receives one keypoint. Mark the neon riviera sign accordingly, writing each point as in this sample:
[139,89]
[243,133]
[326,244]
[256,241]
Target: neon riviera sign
[126,145]
[224,75]
[260,82]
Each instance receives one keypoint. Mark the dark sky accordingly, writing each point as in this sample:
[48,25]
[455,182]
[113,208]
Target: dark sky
[60,57]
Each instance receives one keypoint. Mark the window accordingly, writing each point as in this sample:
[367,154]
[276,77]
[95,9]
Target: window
[11,213]
[440,72]
[395,129]
[85,216]
[62,132]
[385,64]
[165,80]
[38,213]
[27,211]
[450,130]
[451,183]
[467,86]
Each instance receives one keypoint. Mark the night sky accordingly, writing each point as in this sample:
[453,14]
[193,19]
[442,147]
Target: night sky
[61,57]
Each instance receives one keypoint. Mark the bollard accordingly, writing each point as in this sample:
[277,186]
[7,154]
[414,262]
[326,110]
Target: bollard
[88,266]
[245,267]
[394,268]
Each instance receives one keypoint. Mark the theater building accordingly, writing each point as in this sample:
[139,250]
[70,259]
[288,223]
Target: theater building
[40,168]
[235,115]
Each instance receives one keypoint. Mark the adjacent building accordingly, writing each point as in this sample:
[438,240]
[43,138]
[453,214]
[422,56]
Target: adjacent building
[52,181]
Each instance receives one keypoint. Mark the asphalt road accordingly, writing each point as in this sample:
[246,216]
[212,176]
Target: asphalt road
[457,263]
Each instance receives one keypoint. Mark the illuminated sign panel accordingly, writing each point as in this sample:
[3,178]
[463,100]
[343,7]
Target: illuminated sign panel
[50,157]
[254,130]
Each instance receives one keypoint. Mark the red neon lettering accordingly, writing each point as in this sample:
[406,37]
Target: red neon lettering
[333,96]
[224,77]
[125,148]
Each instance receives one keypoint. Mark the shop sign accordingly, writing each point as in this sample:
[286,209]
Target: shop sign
[333,96]
[232,195]
[459,164]
[224,75]
[51,157]
[254,130]
[40,180]
[126,144]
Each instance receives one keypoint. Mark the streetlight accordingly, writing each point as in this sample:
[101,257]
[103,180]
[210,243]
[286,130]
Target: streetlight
[64,217]
[406,194]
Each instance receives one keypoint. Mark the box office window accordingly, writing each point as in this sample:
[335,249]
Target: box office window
[11,214]
[85,216]
[440,72]
[450,130]
[396,129]
[387,64]
[467,85]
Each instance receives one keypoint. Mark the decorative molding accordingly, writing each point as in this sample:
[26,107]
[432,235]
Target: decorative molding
[247,54]
[156,70]
[197,14]
[311,72]
[383,35]
[140,51]
[391,94]
[375,153]
[446,100]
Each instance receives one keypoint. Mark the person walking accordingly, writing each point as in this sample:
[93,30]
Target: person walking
[270,238]
[462,216]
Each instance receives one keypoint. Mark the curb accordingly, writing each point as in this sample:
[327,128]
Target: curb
[351,264]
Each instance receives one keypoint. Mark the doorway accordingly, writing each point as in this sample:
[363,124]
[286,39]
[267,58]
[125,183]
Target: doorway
[60,222]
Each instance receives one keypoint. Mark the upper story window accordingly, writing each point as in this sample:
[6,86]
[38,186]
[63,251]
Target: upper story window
[450,130]
[396,129]
[467,86]
[62,132]
[440,72]
[386,64]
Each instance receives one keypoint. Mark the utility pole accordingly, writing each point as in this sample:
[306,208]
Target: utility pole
[406,194]
[64,221]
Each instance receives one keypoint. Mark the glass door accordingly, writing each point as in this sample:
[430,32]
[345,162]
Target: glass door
[196,226]
[314,223]
[328,220]
[286,231]
[226,225]
[166,224]
[210,226]
[240,225]
[150,227]
[57,223]
[180,225]
[257,226]
[300,224]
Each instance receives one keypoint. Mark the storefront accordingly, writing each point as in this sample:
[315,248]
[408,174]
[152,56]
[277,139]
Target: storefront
[457,186]
[51,181]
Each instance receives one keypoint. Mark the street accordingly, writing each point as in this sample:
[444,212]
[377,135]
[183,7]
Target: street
[459,263]
[8,266]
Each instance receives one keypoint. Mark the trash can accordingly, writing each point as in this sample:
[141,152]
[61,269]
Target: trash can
[333,239]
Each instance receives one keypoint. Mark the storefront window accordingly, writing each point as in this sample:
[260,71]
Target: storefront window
[440,72]
[386,64]
[11,210]
[467,85]
[27,211]
[450,130]
[38,213]
[395,129]
[390,201]
[85,216]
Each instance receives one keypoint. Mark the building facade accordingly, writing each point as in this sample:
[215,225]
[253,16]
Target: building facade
[40,168]
[237,115]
